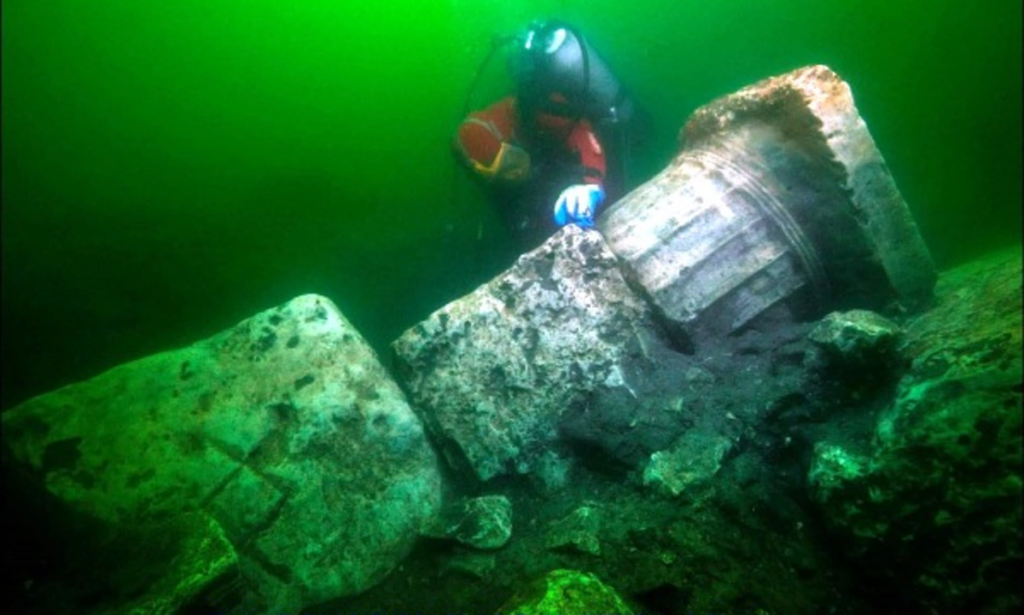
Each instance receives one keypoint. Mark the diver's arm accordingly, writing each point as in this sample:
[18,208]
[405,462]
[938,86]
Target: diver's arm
[584,142]
[578,203]
[486,141]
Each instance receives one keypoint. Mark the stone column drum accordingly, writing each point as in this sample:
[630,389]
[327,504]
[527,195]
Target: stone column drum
[779,194]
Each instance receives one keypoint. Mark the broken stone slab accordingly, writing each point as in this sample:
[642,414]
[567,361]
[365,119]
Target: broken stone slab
[492,373]
[691,462]
[857,338]
[779,195]
[200,575]
[579,531]
[853,356]
[183,563]
[483,522]
[932,506]
[285,429]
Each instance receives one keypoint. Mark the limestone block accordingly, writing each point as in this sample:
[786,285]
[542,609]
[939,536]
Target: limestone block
[285,429]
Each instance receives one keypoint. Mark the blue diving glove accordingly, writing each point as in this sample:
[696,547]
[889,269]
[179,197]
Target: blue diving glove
[578,204]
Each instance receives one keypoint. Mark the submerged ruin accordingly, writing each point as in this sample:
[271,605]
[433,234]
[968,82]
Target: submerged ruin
[747,391]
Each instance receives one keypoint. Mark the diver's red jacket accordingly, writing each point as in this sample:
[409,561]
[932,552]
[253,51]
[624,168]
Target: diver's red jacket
[492,142]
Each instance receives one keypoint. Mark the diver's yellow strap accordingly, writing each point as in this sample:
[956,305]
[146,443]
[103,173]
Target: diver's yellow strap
[511,163]
[487,170]
[492,169]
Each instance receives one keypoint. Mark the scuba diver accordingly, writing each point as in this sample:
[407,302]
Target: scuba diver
[554,151]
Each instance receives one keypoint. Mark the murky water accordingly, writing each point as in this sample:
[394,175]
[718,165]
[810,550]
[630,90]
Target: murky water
[172,168]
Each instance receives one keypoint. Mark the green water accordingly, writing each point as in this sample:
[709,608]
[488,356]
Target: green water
[170,168]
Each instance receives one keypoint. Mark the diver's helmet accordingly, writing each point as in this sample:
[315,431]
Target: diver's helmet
[552,57]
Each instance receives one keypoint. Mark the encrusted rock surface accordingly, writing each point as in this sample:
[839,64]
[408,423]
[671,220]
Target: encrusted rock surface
[483,522]
[493,372]
[857,337]
[580,531]
[200,573]
[933,506]
[691,462]
[855,355]
[567,591]
[284,428]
